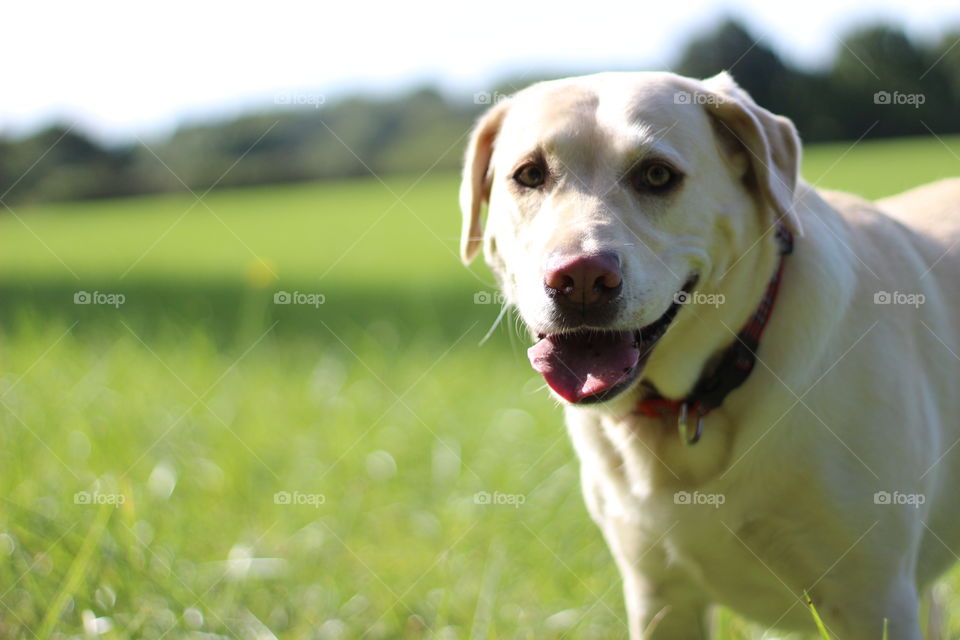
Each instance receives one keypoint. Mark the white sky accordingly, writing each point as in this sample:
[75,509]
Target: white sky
[119,70]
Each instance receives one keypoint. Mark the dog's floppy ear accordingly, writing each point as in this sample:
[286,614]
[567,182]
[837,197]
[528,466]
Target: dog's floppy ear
[771,143]
[475,184]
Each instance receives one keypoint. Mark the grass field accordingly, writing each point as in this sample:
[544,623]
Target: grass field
[200,462]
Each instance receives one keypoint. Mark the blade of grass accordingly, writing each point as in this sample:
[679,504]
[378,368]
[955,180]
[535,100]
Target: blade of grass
[816,617]
[488,593]
[75,573]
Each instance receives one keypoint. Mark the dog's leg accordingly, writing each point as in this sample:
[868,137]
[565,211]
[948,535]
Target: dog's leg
[665,607]
[853,617]
[663,602]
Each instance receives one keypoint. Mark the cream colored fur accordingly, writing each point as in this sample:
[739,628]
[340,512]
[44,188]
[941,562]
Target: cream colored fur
[848,397]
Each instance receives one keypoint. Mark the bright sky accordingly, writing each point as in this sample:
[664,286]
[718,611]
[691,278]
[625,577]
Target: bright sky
[120,70]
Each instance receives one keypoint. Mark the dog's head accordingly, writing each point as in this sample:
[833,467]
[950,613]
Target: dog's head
[610,198]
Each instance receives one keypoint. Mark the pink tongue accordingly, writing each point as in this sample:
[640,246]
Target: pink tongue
[582,364]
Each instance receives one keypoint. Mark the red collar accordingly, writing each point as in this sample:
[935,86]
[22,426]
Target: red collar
[734,366]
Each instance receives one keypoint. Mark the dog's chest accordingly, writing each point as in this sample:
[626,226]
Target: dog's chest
[750,564]
[750,560]
[734,536]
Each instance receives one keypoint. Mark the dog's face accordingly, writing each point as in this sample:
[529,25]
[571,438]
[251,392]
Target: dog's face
[610,198]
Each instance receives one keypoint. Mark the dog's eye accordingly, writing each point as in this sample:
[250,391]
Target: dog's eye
[655,176]
[530,175]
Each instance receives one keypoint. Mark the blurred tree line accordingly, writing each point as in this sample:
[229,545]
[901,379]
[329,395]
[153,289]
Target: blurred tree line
[879,84]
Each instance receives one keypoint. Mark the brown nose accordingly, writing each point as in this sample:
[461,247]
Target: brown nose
[587,280]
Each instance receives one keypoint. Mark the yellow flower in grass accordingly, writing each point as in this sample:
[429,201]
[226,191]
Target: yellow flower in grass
[260,273]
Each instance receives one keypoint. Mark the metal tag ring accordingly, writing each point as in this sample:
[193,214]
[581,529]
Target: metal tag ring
[684,429]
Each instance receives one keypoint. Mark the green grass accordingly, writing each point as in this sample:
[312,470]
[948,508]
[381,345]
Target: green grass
[198,400]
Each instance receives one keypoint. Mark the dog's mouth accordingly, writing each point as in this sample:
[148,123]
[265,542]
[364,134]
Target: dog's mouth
[586,366]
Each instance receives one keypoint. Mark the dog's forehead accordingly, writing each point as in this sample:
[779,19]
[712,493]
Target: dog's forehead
[610,110]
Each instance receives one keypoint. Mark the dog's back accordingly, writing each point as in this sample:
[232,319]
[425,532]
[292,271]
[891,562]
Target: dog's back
[933,208]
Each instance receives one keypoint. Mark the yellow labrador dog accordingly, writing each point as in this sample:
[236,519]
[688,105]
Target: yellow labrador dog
[760,378]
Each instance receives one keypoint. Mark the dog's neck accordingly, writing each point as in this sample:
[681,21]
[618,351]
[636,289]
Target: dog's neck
[698,335]
[709,324]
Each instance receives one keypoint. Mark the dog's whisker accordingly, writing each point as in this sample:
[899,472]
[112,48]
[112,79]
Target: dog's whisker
[503,311]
